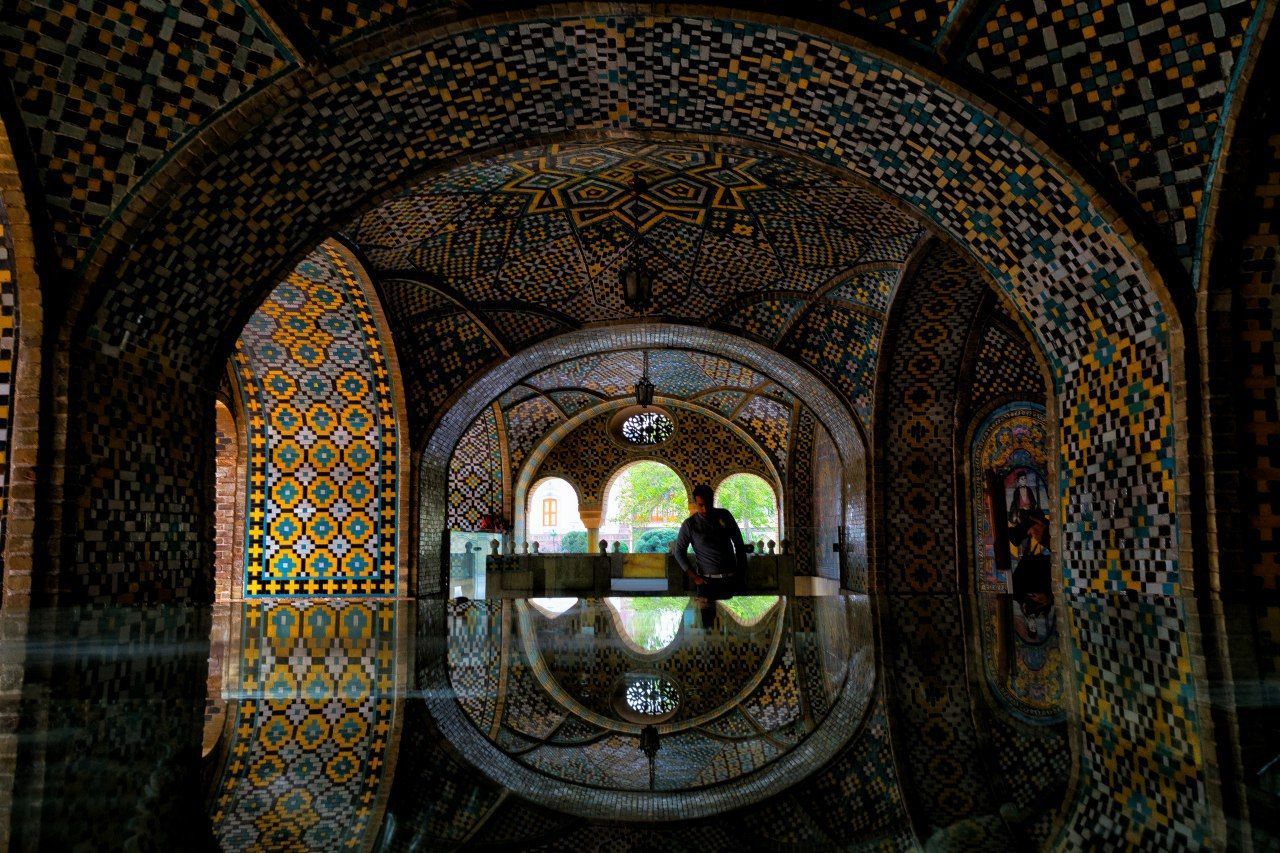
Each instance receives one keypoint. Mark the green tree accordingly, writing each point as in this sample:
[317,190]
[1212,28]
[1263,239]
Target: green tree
[645,487]
[753,504]
[574,542]
[656,541]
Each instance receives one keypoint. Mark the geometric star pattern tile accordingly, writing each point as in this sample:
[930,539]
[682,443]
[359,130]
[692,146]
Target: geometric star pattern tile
[553,227]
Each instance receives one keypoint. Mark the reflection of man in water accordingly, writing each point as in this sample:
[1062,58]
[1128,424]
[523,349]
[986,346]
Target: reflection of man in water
[720,555]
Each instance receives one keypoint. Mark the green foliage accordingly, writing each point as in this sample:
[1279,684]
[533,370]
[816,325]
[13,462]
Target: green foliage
[749,608]
[656,541]
[645,487]
[653,621]
[752,502]
[574,542]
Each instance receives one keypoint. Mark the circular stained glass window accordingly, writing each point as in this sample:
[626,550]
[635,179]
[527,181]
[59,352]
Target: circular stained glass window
[647,428]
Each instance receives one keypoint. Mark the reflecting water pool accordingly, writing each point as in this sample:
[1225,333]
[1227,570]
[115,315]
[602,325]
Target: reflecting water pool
[605,723]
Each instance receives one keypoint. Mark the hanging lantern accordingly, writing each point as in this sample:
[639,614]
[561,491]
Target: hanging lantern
[644,388]
[637,286]
[636,281]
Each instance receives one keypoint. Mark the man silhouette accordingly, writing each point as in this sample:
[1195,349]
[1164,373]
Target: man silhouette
[720,556]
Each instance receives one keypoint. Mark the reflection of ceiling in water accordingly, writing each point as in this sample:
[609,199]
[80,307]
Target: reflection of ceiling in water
[561,695]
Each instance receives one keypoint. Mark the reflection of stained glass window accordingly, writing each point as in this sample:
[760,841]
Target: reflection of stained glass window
[647,428]
[651,696]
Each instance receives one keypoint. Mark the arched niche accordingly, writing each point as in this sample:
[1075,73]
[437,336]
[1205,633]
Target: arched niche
[1019,640]
[547,532]
[314,372]
[822,403]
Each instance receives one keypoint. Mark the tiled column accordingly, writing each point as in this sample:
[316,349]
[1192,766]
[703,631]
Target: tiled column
[590,517]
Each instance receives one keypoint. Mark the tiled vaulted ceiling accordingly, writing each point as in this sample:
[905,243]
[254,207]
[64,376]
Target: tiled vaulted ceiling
[551,228]
[487,258]
[1136,88]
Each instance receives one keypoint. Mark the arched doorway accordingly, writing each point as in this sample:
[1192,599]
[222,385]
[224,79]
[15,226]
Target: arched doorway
[552,518]
[644,503]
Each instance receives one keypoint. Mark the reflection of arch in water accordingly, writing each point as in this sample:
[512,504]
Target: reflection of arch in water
[529,642]
[552,607]
[795,637]
[739,608]
[624,611]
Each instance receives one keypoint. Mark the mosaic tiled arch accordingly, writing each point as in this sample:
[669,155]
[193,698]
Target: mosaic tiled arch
[990,210]
[530,415]
[581,451]
[929,326]
[703,449]
[1059,256]
[1161,137]
[316,379]
[814,394]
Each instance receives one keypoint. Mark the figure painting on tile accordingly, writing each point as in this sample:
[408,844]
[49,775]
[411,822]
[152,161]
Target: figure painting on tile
[1013,520]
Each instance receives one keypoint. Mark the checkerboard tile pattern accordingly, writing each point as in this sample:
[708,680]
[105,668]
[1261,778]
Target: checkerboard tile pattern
[1141,748]
[475,475]
[1143,83]
[527,423]
[1004,368]
[842,345]
[113,88]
